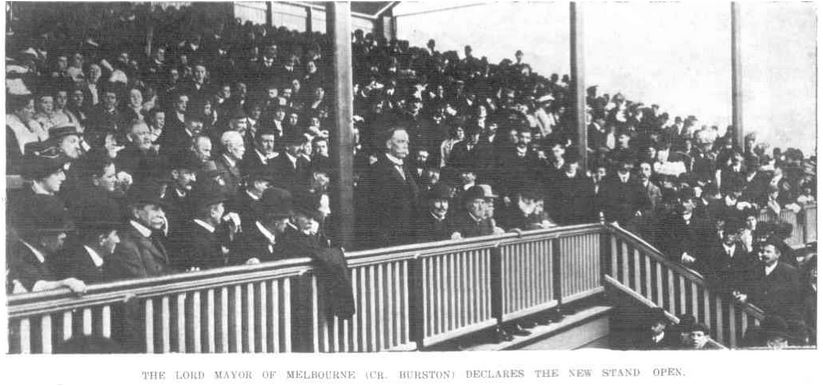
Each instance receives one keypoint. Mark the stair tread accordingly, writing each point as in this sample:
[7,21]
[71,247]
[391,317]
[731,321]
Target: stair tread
[541,332]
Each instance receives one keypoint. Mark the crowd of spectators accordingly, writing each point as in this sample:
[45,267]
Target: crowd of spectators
[198,147]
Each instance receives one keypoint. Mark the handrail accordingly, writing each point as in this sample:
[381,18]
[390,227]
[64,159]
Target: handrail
[689,273]
[59,299]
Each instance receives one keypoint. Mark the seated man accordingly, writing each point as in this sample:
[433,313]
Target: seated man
[262,240]
[472,220]
[42,228]
[97,239]
[431,224]
[776,286]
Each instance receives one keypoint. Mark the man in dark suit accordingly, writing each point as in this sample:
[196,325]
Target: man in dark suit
[262,239]
[621,196]
[572,195]
[431,223]
[228,163]
[682,235]
[42,229]
[394,192]
[728,262]
[141,252]
[97,239]
[472,219]
[139,158]
[105,117]
[263,152]
[179,139]
[776,288]
[203,242]
[247,202]
[291,170]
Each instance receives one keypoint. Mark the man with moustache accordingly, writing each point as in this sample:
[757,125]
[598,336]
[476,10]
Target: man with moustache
[394,193]
[431,224]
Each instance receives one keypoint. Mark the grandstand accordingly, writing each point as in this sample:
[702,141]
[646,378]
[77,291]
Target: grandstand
[291,176]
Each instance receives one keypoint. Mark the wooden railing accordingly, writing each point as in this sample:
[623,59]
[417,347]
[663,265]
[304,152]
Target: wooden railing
[641,268]
[408,297]
[804,223]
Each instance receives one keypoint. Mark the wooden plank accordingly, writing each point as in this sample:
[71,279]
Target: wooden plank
[87,321]
[373,340]
[210,330]
[624,259]
[613,255]
[224,320]
[681,282]
[196,328]
[68,316]
[637,279]
[658,275]
[105,317]
[276,313]
[250,320]
[648,271]
[237,317]
[148,323]
[407,314]
[165,323]
[672,305]
[262,322]
[287,315]
[45,334]
[25,336]
[181,322]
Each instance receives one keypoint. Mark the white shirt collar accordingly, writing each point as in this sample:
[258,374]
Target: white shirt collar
[266,233]
[230,161]
[292,159]
[95,257]
[146,232]
[770,269]
[394,160]
[204,224]
[39,255]
[252,196]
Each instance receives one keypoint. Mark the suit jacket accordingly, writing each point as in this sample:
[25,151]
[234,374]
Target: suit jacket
[137,257]
[394,198]
[676,237]
[24,266]
[732,273]
[75,261]
[287,176]
[653,193]
[427,228]
[467,226]
[231,175]
[198,248]
[252,243]
[620,201]
[571,200]
[778,293]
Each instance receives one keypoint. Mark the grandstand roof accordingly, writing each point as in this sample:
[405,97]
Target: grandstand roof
[370,9]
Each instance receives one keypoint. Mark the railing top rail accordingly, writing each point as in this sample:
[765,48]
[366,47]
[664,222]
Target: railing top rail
[686,272]
[158,286]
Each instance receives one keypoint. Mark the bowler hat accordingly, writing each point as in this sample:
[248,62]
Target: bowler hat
[439,191]
[308,204]
[476,192]
[207,193]
[276,202]
[146,192]
[101,216]
[260,174]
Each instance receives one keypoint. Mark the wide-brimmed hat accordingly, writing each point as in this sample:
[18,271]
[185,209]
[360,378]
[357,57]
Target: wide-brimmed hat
[439,191]
[146,192]
[207,193]
[478,191]
[43,213]
[308,203]
[42,161]
[61,130]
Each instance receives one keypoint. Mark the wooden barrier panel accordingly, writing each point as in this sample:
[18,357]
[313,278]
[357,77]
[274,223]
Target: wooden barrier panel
[579,266]
[526,281]
[678,290]
[810,222]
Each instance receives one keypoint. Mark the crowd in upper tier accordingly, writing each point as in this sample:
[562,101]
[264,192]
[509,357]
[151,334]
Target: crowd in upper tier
[206,144]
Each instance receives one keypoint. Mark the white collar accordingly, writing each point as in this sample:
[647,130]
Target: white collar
[146,232]
[204,224]
[39,255]
[229,160]
[394,160]
[477,220]
[291,158]
[265,232]
[39,190]
[769,269]
[95,257]
[729,248]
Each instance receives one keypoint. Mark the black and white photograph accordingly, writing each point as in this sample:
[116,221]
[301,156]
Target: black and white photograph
[410,176]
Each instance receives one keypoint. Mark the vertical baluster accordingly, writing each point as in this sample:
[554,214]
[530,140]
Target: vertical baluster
[224,319]
[276,313]
[196,328]
[87,320]
[636,260]
[404,273]
[707,308]
[237,316]
[372,312]
[550,272]
[744,322]
[670,281]
[427,291]
[658,276]
[732,325]
[441,293]
[210,332]
[451,276]
[315,316]
[694,302]
[534,276]
[263,320]
[648,270]
[682,284]
[379,324]
[181,323]
[287,315]
[45,334]
[25,336]
[250,317]
[355,324]
[720,330]
[148,320]
[506,278]
[165,323]
[67,325]
[465,290]
[336,334]
[105,318]
[485,256]
[614,257]
[624,259]
[393,314]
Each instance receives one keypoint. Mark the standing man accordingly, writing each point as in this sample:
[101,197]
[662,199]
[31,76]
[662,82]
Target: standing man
[394,194]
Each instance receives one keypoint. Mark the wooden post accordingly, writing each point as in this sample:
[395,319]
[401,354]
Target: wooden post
[309,26]
[269,14]
[338,16]
[578,86]
[737,78]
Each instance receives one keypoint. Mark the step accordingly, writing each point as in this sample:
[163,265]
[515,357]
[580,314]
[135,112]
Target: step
[563,335]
